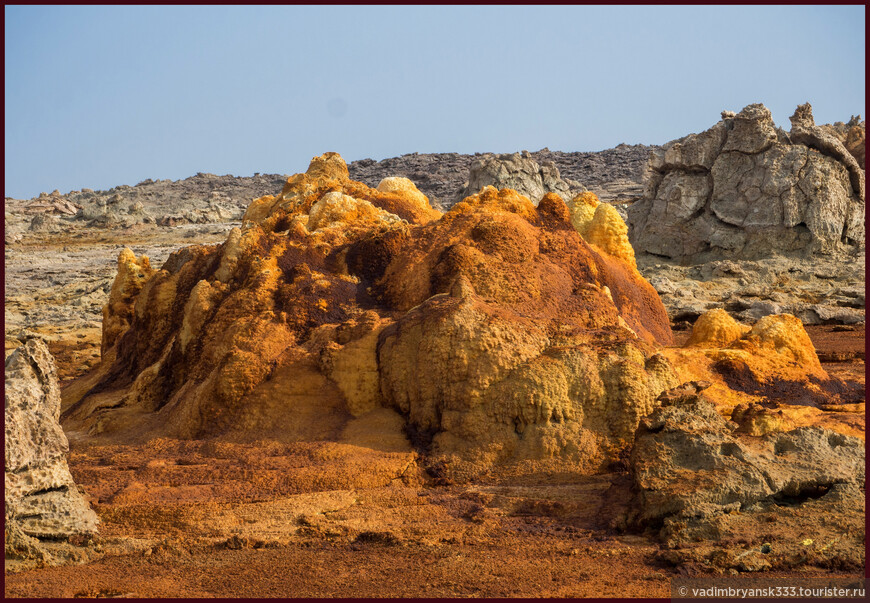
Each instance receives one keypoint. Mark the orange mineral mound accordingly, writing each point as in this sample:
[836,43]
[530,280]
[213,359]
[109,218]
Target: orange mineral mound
[766,377]
[494,335]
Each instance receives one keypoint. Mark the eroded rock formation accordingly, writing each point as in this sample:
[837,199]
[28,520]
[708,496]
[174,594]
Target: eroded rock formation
[852,134]
[745,189]
[42,500]
[520,172]
[495,333]
[697,477]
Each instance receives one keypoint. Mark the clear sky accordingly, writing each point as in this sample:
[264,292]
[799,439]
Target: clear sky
[102,96]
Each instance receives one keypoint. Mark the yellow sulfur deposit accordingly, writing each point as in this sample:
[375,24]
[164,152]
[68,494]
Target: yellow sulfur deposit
[338,209]
[504,200]
[608,232]
[785,335]
[404,188]
[117,313]
[716,329]
[582,208]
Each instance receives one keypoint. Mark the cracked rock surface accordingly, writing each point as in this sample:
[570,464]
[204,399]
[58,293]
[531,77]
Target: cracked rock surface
[696,478]
[42,500]
[745,189]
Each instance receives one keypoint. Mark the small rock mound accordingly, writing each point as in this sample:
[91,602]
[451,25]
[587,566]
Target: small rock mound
[773,363]
[760,419]
[398,184]
[777,336]
[716,329]
[697,479]
[45,222]
[785,335]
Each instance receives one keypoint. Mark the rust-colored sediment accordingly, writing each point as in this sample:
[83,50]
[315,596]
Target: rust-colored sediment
[263,519]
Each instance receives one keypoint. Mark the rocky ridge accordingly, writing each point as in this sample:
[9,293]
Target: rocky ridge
[200,199]
[613,174]
[208,198]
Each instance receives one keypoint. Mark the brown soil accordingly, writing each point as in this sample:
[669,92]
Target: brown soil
[219,518]
[210,518]
[527,566]
[841,349]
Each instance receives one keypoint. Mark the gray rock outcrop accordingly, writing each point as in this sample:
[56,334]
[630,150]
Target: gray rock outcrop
[42,500]
[745,189]
[520,172]
[826,290]
[687,464]
[45,222]
[613,174]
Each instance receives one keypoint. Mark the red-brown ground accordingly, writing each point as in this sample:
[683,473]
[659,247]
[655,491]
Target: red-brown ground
[200,519]
[257,519]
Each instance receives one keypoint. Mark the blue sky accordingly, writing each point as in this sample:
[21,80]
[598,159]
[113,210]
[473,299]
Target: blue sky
[101,96]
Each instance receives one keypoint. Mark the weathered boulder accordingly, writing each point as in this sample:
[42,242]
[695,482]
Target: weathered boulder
[805,131]
[696,478]
[518,171]
[851,134]
[42,500]
[745,189]
[760,419]
[54,204]
[137,213]
[45,222]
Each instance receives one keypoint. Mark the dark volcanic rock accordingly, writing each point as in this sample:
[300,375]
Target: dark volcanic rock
[613,174]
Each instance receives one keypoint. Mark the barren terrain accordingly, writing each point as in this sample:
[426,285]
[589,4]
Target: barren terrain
[262,519]
[374,512]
